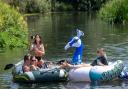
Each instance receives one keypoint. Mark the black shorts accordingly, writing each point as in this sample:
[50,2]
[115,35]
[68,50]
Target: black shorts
[94,63]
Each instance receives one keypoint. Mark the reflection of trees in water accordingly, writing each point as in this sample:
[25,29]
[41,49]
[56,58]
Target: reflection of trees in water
[95,85]
[117,84]
[32,23]
[48,85]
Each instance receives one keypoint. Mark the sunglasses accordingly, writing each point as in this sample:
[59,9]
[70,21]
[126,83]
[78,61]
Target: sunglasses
[33,60]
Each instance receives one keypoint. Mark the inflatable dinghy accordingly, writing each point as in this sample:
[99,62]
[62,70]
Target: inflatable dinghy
[96,73]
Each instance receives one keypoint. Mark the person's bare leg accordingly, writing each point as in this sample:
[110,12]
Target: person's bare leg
[82,65]
[65,64]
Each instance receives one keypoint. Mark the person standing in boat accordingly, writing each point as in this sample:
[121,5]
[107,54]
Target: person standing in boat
[77,43]
[101,59]
[37,48]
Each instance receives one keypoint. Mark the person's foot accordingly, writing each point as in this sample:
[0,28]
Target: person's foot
[68,65]
[64,65]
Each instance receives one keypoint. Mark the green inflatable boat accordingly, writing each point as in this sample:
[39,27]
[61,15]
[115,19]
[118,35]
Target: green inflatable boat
[53,74]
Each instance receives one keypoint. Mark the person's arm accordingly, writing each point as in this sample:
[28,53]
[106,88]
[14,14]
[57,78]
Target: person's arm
[31,47]
[99,63]
[26,69]
[33,67]
[42,49]
[39,52]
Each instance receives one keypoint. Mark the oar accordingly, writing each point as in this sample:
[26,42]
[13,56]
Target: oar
[8,66]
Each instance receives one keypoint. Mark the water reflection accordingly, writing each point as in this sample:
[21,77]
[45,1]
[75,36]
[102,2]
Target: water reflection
[6,83]
[71,85]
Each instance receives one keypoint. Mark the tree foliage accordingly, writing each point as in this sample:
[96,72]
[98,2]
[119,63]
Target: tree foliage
[13,28]
[115,11]
[31,6]
[84,5]
[36,6]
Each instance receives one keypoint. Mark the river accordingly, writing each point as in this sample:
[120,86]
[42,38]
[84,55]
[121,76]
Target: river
[56,29]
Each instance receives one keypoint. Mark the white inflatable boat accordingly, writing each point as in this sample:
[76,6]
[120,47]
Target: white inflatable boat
[96,73]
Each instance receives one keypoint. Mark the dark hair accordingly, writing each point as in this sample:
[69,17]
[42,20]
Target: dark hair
[31,57]
[38,58]
[101,49]
[32,37]
[35,39]
[97,51]
[26,57]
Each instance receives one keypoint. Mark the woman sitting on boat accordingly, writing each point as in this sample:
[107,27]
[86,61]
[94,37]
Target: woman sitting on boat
[26,65]
[33,63]
[38,50]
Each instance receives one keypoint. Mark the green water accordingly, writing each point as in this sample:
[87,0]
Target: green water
[56,29]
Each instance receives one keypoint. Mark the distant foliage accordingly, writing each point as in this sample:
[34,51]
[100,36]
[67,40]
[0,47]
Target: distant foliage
[84,5]
[61,6]
[37,6]
[13,28]
[115,11]
[32,6]
[44,5]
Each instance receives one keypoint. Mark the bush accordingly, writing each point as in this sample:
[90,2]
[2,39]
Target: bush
[61,6]
[32,6]
[13,28]
[44,5]
[93,5]
[37,6]
[83,5]
[115,11]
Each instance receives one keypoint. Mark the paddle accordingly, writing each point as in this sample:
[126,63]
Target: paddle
[8,66]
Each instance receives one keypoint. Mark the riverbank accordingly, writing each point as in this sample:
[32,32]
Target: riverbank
[13,28]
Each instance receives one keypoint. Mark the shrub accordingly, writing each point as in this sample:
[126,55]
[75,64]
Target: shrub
[44,5]
[115,11]
[61,6]
[13,28]
[32,6]
[83,5]
[37,6]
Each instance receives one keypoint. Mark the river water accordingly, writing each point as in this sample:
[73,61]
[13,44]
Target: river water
[56,29]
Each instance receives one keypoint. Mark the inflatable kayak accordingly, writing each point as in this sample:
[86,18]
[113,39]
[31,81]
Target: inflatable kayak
[41,75]
[124,74]
[96,73]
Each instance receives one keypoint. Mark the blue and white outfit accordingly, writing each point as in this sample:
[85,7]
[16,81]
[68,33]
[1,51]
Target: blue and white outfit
[76,42]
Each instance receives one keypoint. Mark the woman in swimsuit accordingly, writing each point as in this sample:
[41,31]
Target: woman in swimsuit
[38,49]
